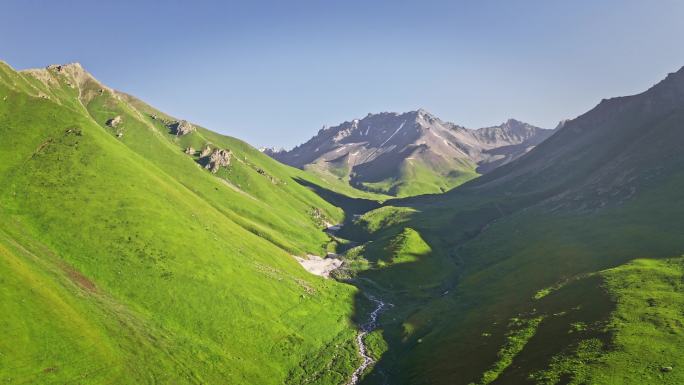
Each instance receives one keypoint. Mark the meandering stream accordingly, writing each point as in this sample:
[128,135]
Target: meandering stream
[366,328]
[370,325]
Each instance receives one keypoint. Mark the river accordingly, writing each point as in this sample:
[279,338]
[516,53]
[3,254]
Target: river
[366,328]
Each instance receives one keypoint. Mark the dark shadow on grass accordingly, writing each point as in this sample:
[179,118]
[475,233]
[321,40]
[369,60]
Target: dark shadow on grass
[350,206]
[577,312]
[429,283]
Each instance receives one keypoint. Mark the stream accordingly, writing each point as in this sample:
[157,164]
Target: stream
[366,328]
[370,325]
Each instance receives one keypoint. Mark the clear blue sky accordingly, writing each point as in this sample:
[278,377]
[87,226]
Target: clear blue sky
[273,72]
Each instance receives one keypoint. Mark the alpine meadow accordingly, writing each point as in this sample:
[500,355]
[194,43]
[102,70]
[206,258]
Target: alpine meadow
[414,247]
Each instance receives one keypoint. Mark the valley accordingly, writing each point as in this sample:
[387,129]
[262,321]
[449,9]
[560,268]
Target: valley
[138,247]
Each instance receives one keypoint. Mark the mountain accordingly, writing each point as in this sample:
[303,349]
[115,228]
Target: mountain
[136,247]
[562,266]
[410,153]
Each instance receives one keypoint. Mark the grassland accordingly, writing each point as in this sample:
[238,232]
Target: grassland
[502,257]
[645,330]
[418,178]
[124,261]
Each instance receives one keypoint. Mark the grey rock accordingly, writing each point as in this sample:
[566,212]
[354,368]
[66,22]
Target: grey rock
[114,122]
[181,127]
[375,148]
[206,151]
[217,159]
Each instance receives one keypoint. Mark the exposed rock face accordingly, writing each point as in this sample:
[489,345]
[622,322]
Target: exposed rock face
[181,127]
[272,152]
[368,139]
[320,266]
[57,67]
[392,147]
[190,151]
[72,74]
[206,151]
[218,158]
[503,143]
[114,122]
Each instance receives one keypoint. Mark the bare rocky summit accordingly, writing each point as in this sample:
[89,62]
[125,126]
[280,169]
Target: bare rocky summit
[388,151]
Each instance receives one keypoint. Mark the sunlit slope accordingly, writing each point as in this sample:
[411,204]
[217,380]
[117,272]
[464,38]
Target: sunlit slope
[125,262]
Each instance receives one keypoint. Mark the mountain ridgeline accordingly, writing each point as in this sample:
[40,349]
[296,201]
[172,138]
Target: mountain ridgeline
[410,153]
[137,247]
[532,274]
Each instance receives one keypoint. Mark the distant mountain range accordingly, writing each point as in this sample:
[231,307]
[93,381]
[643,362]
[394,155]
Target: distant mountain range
[137,247]
[410,153]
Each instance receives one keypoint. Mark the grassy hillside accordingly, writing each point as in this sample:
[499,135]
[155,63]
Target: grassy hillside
[644,328]
[124,261]
[520,301]
[522,287]
[416,178]
[131,252]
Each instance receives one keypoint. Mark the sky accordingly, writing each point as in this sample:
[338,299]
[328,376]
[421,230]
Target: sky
[273,72]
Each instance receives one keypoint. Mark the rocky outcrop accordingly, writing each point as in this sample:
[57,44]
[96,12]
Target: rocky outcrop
[190,151]
[181,127]
[217,159]
[114,122]
[320,266]
[56,67]
[205,152]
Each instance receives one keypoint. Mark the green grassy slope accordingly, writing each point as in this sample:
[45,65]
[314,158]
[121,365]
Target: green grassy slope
[416,178]
[604,190]
[394,176]
[123,261]
[645,330]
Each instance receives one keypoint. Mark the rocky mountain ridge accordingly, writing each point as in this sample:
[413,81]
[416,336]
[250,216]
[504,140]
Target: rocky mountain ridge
[386,152]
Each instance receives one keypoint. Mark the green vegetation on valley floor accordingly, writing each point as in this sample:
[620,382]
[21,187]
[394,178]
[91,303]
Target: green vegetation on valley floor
[124,260]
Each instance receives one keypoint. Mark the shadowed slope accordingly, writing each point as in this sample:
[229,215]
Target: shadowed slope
[606,188]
